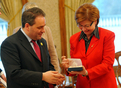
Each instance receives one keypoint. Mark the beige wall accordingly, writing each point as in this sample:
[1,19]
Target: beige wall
[51,8]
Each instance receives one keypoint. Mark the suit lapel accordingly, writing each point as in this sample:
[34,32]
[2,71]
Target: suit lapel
[44,55]
[40,43]
[26,44]
[93,43]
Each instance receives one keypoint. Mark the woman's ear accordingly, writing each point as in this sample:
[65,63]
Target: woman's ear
[95,22]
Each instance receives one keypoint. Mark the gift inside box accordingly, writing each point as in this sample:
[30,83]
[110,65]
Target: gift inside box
[75,64]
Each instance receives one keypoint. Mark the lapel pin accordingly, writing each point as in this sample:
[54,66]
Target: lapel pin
[92,45]
[41,44]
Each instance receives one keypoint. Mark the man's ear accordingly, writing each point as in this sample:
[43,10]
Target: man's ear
[27,26]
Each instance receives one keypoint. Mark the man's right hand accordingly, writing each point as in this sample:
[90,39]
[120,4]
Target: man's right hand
[53,77]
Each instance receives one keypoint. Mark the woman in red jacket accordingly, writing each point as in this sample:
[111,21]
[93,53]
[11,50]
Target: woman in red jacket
[95,47]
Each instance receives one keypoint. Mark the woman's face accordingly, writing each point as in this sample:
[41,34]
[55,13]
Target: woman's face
[87,27]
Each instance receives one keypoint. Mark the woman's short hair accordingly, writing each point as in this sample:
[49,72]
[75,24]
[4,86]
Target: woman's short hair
[87,11]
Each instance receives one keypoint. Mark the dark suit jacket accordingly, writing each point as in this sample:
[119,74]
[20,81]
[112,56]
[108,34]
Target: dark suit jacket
[22,66]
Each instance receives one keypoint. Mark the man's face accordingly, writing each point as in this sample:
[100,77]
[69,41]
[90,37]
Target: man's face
[35,31]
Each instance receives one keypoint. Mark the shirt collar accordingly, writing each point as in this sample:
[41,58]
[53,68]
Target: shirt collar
[28,38]
[95,32]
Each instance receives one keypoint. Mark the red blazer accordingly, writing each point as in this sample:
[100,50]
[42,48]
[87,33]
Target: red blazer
[98,60]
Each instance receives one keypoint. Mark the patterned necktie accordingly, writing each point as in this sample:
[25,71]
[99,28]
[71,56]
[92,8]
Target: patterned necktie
[37,49]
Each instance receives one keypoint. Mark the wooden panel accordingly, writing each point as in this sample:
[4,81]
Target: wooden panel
[24,2]
[62,27]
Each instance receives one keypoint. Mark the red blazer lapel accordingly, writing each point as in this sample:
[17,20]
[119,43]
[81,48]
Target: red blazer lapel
[82,49]
[93,43]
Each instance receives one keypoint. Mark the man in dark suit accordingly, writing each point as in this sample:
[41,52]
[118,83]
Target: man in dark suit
[22,65]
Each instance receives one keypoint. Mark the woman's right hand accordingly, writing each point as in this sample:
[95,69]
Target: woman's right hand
[65,62]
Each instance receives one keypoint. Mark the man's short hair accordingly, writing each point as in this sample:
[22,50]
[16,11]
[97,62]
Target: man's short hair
[29,16]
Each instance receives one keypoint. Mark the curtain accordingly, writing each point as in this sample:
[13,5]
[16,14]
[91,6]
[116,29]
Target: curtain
[71,27]
[11,12]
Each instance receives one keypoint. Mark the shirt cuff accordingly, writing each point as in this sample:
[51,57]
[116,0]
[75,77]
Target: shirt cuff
[1,73]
